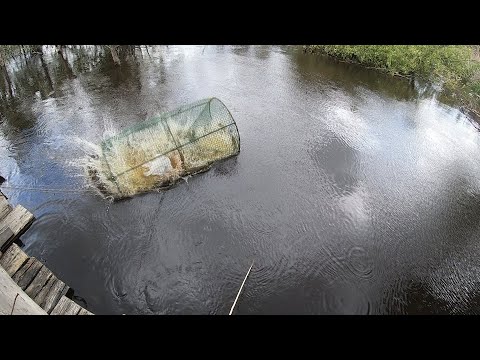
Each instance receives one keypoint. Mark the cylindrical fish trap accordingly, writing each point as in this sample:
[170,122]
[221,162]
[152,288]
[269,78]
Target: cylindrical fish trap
[157,152]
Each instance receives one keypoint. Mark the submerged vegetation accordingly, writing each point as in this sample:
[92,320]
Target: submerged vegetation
[457,68]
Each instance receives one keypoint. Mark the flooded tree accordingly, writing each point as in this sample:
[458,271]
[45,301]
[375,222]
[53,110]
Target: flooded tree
[65,63]
[3,67]
[121,51]
[114,52]
[60,49]
[47,74]
[24,52]
[36,49]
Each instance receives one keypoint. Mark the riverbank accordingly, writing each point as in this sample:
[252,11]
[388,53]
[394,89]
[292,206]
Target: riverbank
[457,68]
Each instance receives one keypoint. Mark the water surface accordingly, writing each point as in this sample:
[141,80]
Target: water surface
[354,192]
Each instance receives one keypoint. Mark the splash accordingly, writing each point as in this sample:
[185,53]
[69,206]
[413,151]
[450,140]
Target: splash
[154,155]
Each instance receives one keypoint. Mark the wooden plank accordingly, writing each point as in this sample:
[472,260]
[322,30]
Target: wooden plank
[5,207]
[13,259]
[25,279]
[23,269]
[19,219]
[12,297]
[5,236]
[66,307]
[84,312]
[51,293]
[38,282]
[60,289]
[41,295]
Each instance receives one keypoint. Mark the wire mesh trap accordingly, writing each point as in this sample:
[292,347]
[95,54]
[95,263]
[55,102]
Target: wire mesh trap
[156,153]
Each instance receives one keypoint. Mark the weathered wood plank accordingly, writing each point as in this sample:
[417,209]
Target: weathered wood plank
[66,307]
[59,290]
[18,220]
[38,282]
[42,294]
[25,279]
[5,207]
[13,259]
[84,312]
[20,272]
[23,304]
[5,236]
[51,293]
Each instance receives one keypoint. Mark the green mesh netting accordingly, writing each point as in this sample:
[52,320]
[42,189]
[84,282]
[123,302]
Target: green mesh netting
[156,153]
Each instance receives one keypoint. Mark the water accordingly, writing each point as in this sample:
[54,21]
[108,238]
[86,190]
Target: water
[353,192]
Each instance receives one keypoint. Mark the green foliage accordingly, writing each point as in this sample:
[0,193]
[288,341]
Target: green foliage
[475,87]
[454,65]
[440,61]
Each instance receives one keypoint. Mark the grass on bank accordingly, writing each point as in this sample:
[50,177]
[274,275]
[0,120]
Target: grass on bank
[457,67]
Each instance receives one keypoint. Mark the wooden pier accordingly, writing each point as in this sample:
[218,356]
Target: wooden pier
[33,279]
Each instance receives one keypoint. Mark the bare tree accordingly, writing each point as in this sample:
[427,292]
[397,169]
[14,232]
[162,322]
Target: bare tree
[114,52]
[36,49]
[66,65]
[60,49]
[5,73]
[47,74]
[24,53]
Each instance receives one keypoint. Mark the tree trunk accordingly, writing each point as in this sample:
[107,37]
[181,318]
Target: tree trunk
[113,50]
[24,53]
[67,66]
[38,49]
[47,74]
[5,73]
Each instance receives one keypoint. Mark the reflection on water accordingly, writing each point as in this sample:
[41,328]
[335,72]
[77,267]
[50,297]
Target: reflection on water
[354,192]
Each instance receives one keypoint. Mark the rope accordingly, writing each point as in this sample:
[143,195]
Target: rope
[45,189]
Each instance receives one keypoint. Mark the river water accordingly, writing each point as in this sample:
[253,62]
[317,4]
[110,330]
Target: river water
[354,192]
